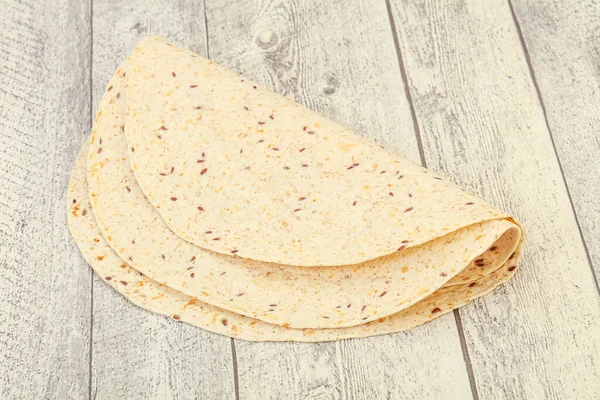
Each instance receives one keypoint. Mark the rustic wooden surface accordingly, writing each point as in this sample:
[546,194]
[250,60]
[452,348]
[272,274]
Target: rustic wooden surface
[45,286]
[503,97]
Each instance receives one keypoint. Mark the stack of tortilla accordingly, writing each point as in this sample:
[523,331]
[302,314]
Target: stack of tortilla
[206,198]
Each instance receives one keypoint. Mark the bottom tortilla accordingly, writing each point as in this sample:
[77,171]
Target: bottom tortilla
[158,298]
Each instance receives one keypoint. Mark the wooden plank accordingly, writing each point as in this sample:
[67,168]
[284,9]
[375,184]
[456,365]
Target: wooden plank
[482,125]
[337,58]
[45,289]
[561,39]
[138,354]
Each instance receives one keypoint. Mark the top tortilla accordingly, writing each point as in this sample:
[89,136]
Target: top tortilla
[272,180]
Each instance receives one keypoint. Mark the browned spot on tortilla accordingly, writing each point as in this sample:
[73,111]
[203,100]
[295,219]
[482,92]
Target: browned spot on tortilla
[190,303]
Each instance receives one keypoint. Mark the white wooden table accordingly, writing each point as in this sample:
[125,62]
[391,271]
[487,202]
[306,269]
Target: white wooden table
[502,97]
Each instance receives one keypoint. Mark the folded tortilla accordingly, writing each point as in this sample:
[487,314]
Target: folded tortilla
[245,207]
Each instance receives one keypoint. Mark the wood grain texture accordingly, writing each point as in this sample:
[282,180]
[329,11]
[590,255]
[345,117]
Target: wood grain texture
[480,122]
[44,116]
[337,58]
[138,354]
[482,125]
[562,39]
[423,363]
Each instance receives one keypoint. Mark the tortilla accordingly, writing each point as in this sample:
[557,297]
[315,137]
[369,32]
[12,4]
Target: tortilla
[271,179]
[284,227]
[149,294]
[318,297]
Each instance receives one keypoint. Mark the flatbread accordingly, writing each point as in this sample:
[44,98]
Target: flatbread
[271,179]
[149,294]
[318,297]
[206,198]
